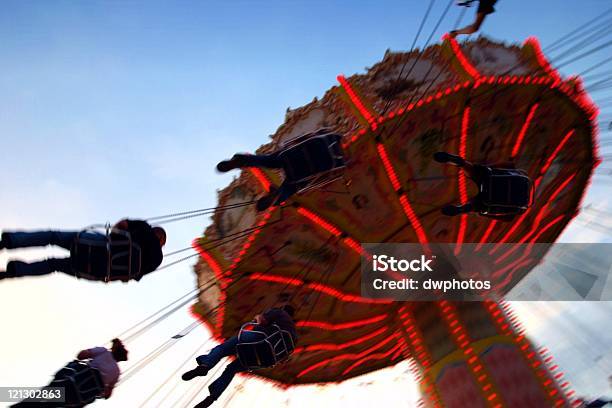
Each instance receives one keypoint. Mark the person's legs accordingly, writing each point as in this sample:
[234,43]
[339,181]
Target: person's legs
[225,349]
[444,157]
[208,361]
[220,384]
[239,160]
[13,240]
[452,210]
[15,269]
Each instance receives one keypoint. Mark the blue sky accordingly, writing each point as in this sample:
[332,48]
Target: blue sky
[113,109]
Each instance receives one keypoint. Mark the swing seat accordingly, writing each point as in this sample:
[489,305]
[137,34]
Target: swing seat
[115,257]
[83,384]
[506,191]
[263,349]
[313,160]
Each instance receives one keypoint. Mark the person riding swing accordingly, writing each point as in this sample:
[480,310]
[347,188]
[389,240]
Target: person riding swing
[503,193]
[92,375]
[308,161]
[127,251]
[263,343]
[485,7]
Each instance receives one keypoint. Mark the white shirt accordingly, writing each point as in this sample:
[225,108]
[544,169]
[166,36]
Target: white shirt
[103,361]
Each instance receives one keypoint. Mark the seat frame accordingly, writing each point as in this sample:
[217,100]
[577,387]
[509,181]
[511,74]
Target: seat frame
[517,208]
[77,383]
[336,153]
[113,269]
[280,344]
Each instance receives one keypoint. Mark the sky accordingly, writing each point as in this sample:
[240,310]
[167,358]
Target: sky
[122,108]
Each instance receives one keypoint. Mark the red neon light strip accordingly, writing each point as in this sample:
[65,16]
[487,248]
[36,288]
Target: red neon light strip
[526,348]
[382,152]
[212,263]
[341,326]
[580,98]
[465,121]
[251,239]
[486,235]
[421,354]
[356,101]
[218,271]
[342,346]
[465,63]
[542,61]
[332,229]
[553,197]
[415,222]
[543,171]
[346,297]
[320,221]
[350,356]
[538,219]
[460,335]
[521,136]
[261,177]
[405,203]
[500,272]
[553,156]
[377,356]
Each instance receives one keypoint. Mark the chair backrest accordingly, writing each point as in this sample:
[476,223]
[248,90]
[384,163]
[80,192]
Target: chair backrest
[507,188]
[258,349]
[315,161]
[115,257]
[83,383]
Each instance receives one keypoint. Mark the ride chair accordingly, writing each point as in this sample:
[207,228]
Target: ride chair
[506,191]
[83,384]
[115,257]
[270,348]
[313,160]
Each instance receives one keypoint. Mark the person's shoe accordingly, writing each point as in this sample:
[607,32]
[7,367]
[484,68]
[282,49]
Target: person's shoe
[266,201]
[199,371]
[231,164]
[3,241]
[9,273]
[443,157]
[208,401]
[451,210]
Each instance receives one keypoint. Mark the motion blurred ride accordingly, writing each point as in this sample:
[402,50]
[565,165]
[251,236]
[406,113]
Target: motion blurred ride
[92,375]
[127,251]
[503,193]
[263,343]
[486,101]
[309,161]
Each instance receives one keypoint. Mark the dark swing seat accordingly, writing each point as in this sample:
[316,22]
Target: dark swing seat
[114,258]
[505,191]
[313,160]
[82,383]
[263,349]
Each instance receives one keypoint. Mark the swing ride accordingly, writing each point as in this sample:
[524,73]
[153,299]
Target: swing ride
[359,162]
[482,100]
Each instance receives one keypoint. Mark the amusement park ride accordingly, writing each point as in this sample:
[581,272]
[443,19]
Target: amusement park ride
[484,101]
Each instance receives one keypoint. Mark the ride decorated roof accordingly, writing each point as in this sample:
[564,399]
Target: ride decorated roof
[488,102]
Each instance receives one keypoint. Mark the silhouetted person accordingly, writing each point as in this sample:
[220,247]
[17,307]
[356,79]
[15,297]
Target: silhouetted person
[149,241]
[485,7]
[503,193]
[318,153]
[97,365]
[281,317]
